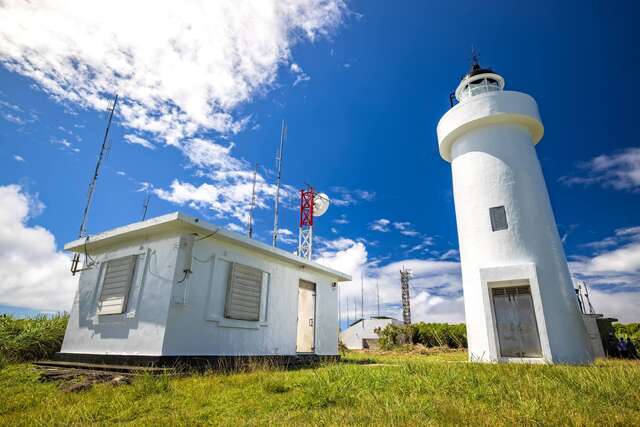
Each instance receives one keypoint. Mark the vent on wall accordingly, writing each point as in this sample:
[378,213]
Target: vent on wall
[116,285]
[244,293]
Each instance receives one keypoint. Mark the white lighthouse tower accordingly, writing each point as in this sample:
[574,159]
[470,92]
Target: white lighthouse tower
[520,304]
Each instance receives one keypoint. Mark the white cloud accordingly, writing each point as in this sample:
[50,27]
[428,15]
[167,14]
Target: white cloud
[284,232]
[229,187]
[620,305]
[18,158]
[381,225]
[427,242]
[65,145]
[135,139]
[620,171]
[287,236]
[405,229]
[345,197]
[237,228]
[183,70]
[181,67]
[435,286]
[16,115]
[613,273]
[342,220]
[301,76]
[33,273]
[401,225]
[450,254]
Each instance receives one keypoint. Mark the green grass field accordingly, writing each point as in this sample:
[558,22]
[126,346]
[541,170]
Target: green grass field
[390,389]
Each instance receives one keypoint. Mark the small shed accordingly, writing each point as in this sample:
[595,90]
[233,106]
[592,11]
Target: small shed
[362,333]
[175,287]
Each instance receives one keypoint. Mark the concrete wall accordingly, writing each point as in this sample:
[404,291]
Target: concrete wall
[593,333]
[352,336]
[197,324]
[494,163]
[139,331]
[165,317]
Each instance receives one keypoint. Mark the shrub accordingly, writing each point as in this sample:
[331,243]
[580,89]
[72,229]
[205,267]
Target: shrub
[631,330]
[427,334]
[32,338]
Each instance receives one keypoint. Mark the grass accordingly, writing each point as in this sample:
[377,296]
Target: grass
[30,339]
[382,389]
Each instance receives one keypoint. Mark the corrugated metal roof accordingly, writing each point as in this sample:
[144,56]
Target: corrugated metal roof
[179,222]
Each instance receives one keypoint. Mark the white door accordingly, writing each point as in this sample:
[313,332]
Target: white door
[516,322]
[306,317]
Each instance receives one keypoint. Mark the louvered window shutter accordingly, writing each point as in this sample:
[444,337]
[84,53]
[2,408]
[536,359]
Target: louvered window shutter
[116,285]
[244,292]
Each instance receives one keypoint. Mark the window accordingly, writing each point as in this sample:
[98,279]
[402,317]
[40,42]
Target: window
[116,285]
[498,218]
[244,293]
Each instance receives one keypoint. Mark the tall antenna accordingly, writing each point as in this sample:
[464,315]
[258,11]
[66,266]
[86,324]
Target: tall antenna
[583,293]
[348,322]
[253,202]
[92,186]
[404,283]
[362,295]
[355,310]
[283,136]
[312,204]
[378,295]
[339,312]
[145,206]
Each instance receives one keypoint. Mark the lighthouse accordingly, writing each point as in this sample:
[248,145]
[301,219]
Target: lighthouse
[520,305]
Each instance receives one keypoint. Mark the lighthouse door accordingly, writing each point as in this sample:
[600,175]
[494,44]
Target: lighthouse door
[516,322]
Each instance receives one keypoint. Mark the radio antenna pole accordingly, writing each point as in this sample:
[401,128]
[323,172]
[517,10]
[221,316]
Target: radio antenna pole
[145,206]
[92,185]
[253,202]
[283,136]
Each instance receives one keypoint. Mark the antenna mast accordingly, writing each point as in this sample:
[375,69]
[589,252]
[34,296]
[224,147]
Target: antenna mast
[145,206]
[283,136]
[362,296]
[404,283]
[253,202]
[92,186]
[339,311]
[305,235]
[348,322]
[378,295]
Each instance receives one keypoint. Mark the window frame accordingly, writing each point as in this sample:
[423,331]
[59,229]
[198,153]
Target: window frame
[229,312]
[130,275]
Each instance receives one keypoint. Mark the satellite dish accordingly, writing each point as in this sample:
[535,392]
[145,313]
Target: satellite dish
[320,204]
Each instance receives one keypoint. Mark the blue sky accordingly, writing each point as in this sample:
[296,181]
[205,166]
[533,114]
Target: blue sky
[361,86]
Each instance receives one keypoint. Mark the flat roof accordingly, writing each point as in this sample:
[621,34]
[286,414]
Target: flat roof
[179,222]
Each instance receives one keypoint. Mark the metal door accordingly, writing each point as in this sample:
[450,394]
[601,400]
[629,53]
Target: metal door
[516,322]
[306,317]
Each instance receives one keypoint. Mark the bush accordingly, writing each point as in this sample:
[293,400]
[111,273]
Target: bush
[630,330]
[31,339]
[427,334]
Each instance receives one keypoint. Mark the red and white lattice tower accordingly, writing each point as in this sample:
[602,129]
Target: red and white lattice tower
[305,238]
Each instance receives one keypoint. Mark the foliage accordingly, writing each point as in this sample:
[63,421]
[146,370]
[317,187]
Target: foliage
[365,389]
[31,339]
[630,330]
[426,334]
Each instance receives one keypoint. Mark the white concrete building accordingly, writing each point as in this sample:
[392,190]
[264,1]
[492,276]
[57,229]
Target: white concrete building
[175,286]
[520,305]
[362,334]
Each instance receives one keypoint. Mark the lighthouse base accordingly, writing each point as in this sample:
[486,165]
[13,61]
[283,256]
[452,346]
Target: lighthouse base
[508,324]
